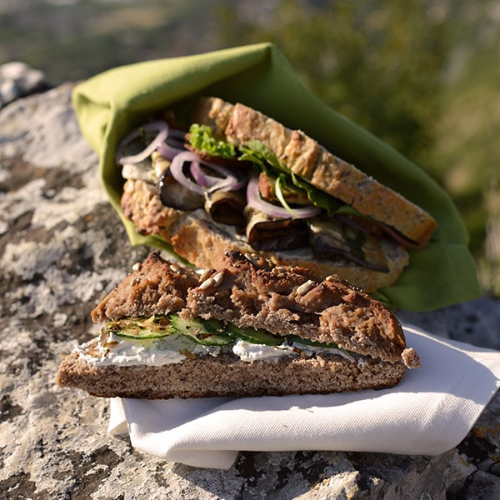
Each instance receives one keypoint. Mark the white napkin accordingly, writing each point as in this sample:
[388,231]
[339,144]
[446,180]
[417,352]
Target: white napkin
[428,413]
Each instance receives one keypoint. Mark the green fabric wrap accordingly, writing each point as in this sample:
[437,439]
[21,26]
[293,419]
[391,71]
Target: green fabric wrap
[112,103]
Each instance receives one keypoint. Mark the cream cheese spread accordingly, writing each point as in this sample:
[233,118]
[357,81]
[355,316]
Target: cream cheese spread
[120,351]
[249,352]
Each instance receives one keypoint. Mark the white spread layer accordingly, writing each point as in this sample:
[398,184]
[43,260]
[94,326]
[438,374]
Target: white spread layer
[120,351]
[249,352]
[152,352]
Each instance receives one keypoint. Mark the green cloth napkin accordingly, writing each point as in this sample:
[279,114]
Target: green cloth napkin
[112,103]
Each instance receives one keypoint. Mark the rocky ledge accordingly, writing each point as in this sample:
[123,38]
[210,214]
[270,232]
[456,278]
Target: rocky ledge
[61,249]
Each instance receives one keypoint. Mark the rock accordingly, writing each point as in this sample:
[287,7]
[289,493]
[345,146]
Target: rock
[62,248]
[474,322]
[18,80]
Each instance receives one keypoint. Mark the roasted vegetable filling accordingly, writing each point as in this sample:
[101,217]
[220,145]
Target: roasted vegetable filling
[249,188]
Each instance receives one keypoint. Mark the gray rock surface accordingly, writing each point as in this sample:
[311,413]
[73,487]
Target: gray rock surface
[17,79]
[62,248]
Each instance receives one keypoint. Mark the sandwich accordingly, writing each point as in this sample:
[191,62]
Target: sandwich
[225,177]
[248,328]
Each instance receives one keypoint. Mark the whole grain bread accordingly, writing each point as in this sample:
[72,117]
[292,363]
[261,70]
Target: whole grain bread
[228,376]
[204,243]
[155,287]
[239,124]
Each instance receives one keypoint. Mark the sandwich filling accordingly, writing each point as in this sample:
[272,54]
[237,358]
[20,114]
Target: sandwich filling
[161,340]
[248,188]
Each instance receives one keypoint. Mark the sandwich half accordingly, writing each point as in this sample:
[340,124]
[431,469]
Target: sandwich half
[231,178]
[249,328]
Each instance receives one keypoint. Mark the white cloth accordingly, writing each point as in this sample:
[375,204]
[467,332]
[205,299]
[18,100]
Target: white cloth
[428,413]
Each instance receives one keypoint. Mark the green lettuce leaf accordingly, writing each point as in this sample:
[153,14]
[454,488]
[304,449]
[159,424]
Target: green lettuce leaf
[202,138]
[259,154]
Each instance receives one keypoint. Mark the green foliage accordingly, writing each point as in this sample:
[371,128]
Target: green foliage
[378,64]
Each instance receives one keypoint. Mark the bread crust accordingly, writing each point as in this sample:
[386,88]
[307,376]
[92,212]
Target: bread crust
[155,287]
[288,302]
[228,376]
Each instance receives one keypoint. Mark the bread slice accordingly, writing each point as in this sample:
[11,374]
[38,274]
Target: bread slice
[155,287]
[247,292]
[228,376]
[204,243]
[240,124]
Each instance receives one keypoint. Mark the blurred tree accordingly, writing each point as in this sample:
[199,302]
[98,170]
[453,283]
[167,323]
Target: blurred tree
[379,63]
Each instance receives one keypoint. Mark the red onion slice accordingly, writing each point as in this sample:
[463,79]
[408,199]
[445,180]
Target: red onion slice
[160,127]
[177,171]
[228,182]
[200,177]
[173,144]
[255,201]
[399,238]
[202,182]
[168,151]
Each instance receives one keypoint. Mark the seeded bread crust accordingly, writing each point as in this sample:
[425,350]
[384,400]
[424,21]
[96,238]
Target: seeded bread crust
[204,243]
[288,302]
[305,157]
[228,376]
[155,287]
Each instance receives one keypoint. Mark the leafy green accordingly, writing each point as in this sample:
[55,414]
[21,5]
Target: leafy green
[279,186]
[202,138]
[317,197]
[259,154]
[265,160]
